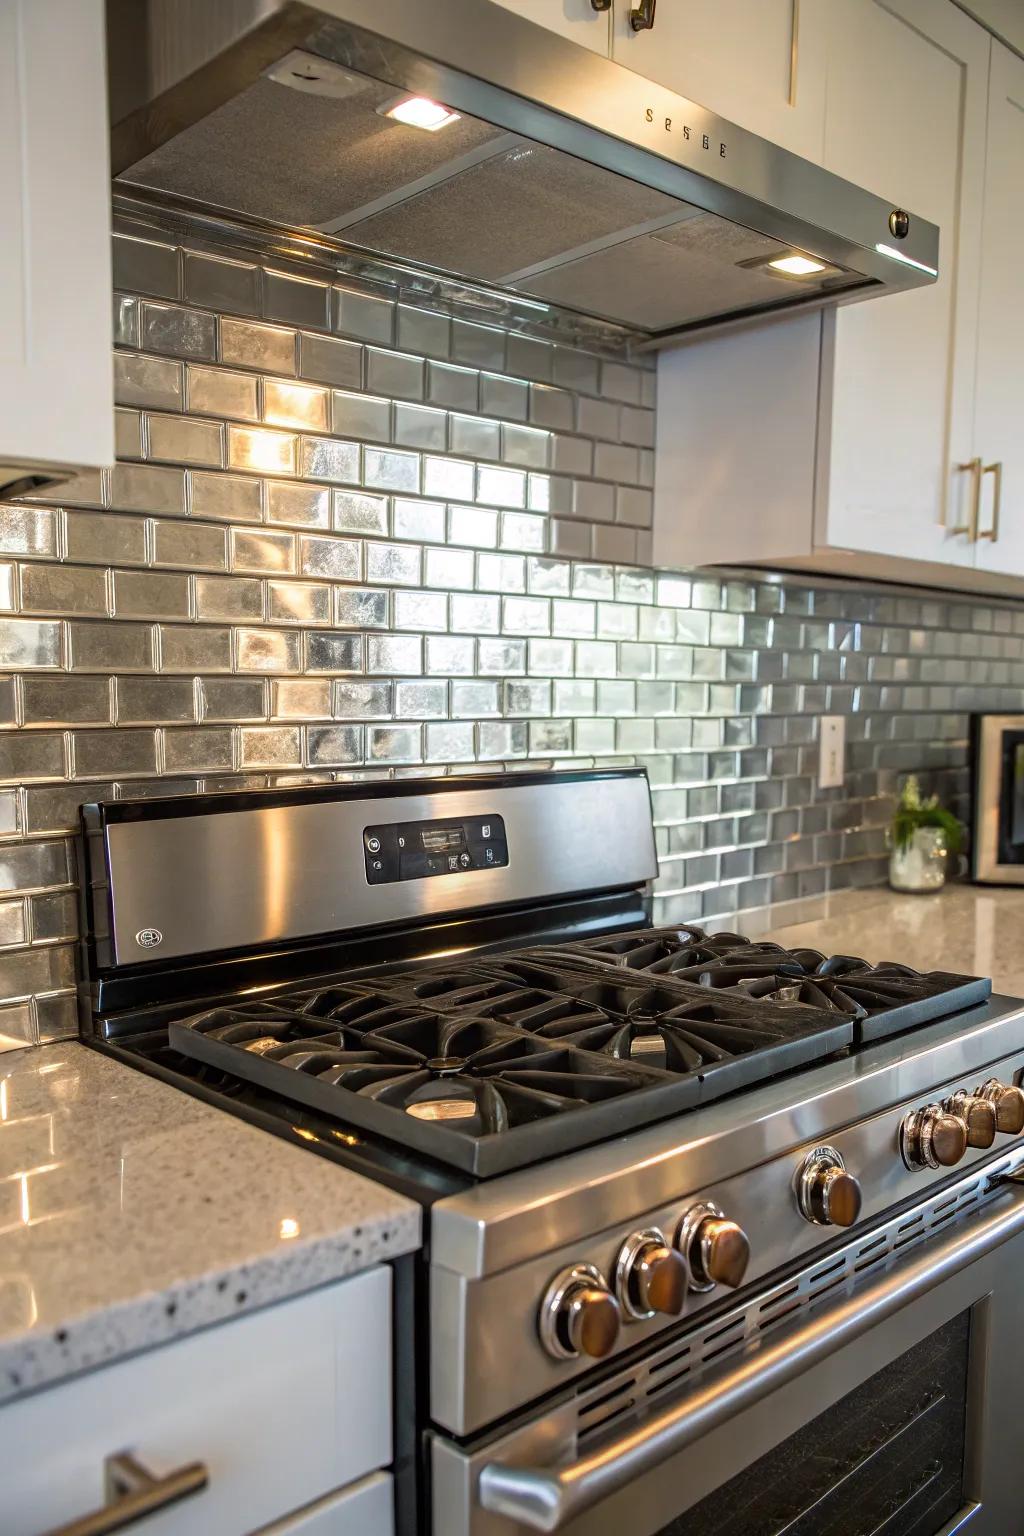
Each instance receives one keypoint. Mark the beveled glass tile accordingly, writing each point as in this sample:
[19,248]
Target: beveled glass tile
[475,614]
[549,493]
[451,568]
[595,658]
[184,440]
[526,446]
[421,610]
[8,700]
[262,451]
[99,647]
[201,750]
[145,266]
[391,471]
[298,602]
[474,700]
[125,321]
[128,434]
[423,520]
[33,866]
[572,455]
[334,746]
[147,488]
[394,654]
[450,655]
[54,917]
[124,753]
[503,487]
[362,315]
[295,300]
[155,700]
[147,381]
[219,392]
[522,530]
[330,361]
[184,648]
[449,742]
[547,737]
[453,478]
[594,735]
[474,435]
[423,330]
[336,559]
[229,498]
[481,345]
[99,538]
[369,701]
[262,550]
[298,506]
[527,698]
[228,597]
[548,578]
[597,418]
[360,514]
[504,397]
[420,426]
[294,405]
[301,698]
[326,652]
[265,746]
[574,618]
[63,589]
[361,607]
[551,658]
[501,740]
[458,389]
[394,743]
[65,700]
[574,696]
[421,700]
[231,698]
[151,595]
[49,968]
[56,1018]
[395,374]
[637,427]
[501,573]
[501,658]
[216,283]
[27,531]
[393,564]
[621,382]
[326,458]
[594,500]
[526,615]
[247,344]
[362,416]
[171,328]
[475,526]
[268,650]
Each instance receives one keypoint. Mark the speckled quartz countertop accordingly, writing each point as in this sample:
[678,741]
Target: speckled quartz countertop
[974,930]
[132,1214]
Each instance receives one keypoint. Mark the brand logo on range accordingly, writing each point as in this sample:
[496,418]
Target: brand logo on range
[703,140]
[149,938]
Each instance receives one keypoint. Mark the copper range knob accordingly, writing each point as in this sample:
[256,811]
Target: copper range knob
[932,1138]
[1008,1103]
[579,1315]
[979,1116]
[716,1250]
[826,1193]
[650,1276]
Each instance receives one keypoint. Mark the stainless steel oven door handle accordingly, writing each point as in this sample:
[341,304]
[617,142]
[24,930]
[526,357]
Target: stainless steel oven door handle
[546,1498]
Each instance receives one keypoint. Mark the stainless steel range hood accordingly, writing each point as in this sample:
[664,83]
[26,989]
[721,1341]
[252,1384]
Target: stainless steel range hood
[556,175]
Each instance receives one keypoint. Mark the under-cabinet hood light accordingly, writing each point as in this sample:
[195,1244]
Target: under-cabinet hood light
[908,261]
[421,112]
[796,265]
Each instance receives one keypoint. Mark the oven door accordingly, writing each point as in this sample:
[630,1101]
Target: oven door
[997,842]
[886,1408]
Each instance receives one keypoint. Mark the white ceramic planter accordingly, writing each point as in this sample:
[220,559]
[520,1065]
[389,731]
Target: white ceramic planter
[919,865]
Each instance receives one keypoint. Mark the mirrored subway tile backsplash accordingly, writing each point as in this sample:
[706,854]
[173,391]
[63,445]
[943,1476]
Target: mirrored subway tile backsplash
[352,534]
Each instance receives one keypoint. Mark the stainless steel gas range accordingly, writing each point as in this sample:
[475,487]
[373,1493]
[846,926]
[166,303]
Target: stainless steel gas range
[720,1236]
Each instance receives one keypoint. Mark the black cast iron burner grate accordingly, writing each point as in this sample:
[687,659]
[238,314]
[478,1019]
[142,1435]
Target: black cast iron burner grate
[484,1068]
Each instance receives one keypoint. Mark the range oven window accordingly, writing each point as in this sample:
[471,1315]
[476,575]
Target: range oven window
[888,1457]
[1011,798]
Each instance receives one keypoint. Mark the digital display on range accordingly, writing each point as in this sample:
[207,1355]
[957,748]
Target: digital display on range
[442,839]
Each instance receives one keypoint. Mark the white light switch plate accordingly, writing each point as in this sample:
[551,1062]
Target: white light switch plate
[832,751]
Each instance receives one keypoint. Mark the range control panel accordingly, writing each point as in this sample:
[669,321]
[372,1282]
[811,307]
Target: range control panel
[415,850]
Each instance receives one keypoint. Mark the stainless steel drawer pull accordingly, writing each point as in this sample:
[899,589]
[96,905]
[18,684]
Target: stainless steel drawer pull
[132,1492]
[996,471]
[972,468]
[546,1498]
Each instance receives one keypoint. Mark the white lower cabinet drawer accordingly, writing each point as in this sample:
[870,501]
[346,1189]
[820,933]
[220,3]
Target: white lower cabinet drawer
[366,1509]
[282,1408]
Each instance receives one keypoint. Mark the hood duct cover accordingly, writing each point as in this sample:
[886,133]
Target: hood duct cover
[555,178]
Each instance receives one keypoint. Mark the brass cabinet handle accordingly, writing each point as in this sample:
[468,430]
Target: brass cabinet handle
[641,17]
[132,1492]
[972,468]
[996,471]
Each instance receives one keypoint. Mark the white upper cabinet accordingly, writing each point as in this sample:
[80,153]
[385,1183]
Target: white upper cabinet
[56,385]
[999,414]
[758,63]
[575,19]
[907,90]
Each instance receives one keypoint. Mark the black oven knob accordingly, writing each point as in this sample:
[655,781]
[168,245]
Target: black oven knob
[579,1315]
[1008,1103]
[827,1194]
[932,1138]
[978,1114]
[650,1276]
[716,1250]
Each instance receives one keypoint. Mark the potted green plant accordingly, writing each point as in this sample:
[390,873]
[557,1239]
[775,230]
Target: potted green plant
[922,833]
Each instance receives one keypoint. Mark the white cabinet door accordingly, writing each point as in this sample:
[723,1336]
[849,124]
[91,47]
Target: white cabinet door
[999,416]
[759,63]
[907,92]
[56,381]
[575,19]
